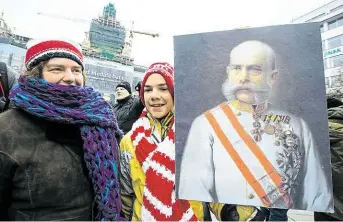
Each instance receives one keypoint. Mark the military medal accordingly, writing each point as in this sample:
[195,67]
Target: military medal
[257,131]
[257,134]
[290,140]
[269,128]
[290,158]
[278,132]
[256,124]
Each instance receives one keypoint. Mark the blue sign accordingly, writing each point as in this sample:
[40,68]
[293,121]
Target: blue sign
[331,52]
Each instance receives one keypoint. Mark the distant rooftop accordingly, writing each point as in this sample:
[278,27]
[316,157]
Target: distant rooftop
[318,8]
[322,13]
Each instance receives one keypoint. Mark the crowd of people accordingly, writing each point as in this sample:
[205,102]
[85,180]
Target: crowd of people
[67,154]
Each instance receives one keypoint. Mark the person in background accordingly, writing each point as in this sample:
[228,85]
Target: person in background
[7,80]
[128,108]
[147,162]
[335,114]
[59,143]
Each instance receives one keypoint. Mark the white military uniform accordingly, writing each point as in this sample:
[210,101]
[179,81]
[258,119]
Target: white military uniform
[241,175]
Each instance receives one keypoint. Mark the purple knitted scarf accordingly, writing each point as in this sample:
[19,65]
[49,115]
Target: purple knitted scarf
[86,108]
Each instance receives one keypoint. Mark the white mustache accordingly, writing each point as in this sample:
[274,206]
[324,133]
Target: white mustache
[261,93]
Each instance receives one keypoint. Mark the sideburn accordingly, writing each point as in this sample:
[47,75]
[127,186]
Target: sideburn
[37,70]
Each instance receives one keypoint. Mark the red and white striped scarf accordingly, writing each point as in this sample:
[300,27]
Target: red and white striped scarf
[158,163]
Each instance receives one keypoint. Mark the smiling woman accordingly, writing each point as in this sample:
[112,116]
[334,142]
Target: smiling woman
[59,146]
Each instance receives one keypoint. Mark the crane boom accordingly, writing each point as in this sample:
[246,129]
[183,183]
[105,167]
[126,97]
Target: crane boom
[154,35]
[63,17]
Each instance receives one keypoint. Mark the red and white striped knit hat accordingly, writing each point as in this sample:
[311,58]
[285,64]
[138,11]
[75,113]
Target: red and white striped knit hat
[165,70]
[38,51]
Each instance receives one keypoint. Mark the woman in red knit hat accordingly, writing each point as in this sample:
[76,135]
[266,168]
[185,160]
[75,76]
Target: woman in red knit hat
[58,146]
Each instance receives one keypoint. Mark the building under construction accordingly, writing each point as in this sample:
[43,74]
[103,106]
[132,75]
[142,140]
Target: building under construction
[107,33]
[7,36]
[106,38]
[105,63]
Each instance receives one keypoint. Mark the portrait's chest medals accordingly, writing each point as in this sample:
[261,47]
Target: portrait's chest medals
[288,155]
[276,126]
[267,124]
[279,126]
[277,129]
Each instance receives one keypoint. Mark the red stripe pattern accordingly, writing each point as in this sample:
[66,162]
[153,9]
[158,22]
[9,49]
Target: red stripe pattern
[53,46]
[158,163]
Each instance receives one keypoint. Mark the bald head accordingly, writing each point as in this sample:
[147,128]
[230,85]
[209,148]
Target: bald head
[254,51]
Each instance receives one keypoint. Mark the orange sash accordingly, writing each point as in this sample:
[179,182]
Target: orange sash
[255,149]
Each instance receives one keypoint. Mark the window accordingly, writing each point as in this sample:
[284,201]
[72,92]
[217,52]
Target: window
[336,23]
[339,22]
[326,64]
[332,25]
[335,42]
[335,61]
[321,29]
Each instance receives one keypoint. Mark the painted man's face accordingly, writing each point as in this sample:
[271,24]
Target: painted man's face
[249,71]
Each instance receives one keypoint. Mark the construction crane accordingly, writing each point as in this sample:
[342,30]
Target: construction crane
[62,17]
[4,27]
[128,44]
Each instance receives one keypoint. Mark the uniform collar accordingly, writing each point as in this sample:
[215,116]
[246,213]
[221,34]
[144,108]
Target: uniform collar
[258,109]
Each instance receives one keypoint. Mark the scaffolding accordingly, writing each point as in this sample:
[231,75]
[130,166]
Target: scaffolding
[107,34]
[107,37]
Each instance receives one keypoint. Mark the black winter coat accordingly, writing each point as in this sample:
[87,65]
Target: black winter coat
[42,173]
[127,112]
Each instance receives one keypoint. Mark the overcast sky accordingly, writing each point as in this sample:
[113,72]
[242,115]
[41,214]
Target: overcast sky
[166,17]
